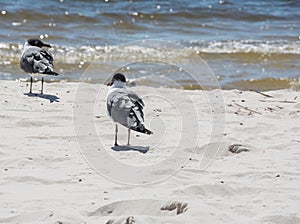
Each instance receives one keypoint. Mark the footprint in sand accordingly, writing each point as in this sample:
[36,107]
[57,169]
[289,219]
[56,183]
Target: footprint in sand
[138,207]
[128,220]
[238,148]
[179,206]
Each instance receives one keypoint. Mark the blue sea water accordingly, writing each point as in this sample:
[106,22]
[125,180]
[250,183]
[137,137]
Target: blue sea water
[241,40]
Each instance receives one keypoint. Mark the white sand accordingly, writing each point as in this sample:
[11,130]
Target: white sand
[45,179]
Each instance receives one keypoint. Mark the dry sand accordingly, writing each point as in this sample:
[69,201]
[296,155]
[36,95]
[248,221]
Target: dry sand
[45,178]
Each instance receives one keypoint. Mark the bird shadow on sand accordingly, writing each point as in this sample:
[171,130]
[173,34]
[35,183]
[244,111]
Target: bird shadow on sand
[122,148]
[51,98]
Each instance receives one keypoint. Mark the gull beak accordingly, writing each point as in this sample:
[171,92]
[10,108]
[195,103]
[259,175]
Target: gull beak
[109,84]
[46,45]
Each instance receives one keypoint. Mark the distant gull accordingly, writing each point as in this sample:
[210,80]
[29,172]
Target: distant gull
[36,60]
[125,107]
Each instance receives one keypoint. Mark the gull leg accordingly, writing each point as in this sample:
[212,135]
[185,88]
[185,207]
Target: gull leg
[42,85]
[116,135]
[128,140]
[30,90]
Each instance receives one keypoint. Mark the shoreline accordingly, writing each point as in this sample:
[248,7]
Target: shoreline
[252,177]
[262,85]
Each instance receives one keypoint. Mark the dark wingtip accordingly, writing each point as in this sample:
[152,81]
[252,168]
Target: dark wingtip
[55,74]
[148,132]
[52,73]
[144,130]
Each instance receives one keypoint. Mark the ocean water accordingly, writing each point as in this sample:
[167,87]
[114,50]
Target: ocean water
[247,44]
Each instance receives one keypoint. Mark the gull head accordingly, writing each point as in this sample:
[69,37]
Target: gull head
[37,42]
[118,80]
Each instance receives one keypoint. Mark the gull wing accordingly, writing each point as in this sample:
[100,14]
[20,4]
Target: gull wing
[37,60]
[126,108]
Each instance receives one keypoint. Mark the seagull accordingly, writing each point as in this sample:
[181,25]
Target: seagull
[36,60]
[125,107]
